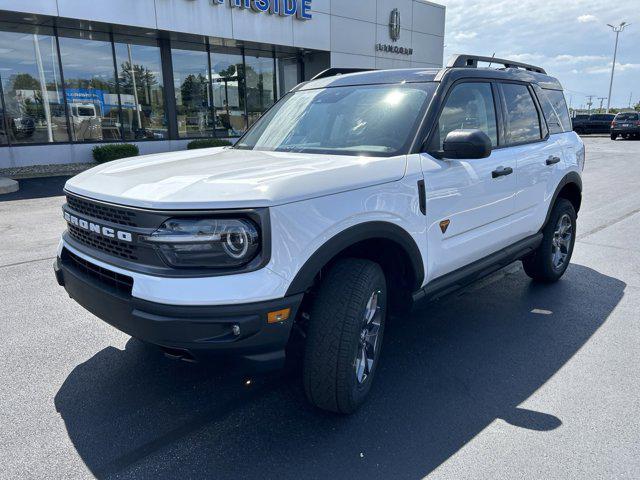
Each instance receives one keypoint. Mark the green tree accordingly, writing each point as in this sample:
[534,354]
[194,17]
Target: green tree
[637,107]
[145,81]
[23,81]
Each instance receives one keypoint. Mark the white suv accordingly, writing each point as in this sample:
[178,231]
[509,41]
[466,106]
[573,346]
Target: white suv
[351,198]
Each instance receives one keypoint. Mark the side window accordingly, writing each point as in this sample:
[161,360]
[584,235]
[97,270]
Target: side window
[469,106]
[555,109]
[522,122]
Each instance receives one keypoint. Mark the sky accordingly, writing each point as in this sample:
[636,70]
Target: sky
[570,39]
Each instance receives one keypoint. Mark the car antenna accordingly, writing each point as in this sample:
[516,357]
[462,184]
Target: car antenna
[492,57]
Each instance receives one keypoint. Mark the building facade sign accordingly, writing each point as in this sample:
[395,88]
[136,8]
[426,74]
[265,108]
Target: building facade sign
[285,8]
[394,34]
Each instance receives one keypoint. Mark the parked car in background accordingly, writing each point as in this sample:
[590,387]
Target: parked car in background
[596,123]
[626,125]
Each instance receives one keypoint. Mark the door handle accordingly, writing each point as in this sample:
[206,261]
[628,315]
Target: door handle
[552,160]
[502,172]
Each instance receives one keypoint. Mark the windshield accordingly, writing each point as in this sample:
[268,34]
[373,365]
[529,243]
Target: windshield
[377,120]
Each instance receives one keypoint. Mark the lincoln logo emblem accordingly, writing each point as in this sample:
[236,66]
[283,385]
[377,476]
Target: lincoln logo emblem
[394,24]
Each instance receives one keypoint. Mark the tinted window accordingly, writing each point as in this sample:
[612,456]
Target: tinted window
[555,110]
[376,120]
[602,117]
[469,106]
[522,123]
[627,116]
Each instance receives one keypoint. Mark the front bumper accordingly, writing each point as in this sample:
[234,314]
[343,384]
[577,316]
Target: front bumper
[191,332]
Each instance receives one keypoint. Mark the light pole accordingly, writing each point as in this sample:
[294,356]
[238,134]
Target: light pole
[617,30]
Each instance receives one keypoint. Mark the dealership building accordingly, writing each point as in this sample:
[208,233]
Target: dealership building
[159,73]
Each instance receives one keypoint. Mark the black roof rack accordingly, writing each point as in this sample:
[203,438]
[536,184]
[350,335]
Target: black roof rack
[471,61]
[332,72]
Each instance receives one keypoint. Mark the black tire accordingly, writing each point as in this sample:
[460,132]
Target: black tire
[337,318]
[614,136]
[540,265]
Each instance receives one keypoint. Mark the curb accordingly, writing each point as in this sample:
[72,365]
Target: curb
[8,186]
[38,171]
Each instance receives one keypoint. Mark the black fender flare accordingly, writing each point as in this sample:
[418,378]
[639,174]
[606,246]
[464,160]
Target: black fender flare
[350,236]
[571,177]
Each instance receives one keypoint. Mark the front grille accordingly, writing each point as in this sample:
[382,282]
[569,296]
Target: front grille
[117,281]
[108,213]
[107,245]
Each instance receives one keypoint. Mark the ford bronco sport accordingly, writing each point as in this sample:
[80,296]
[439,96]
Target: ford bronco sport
[352,197]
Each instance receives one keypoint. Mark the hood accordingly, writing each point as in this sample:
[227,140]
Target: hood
[229,178]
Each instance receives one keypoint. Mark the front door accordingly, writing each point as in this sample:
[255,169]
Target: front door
[470,203]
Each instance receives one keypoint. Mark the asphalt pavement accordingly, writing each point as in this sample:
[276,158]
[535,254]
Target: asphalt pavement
[506,379]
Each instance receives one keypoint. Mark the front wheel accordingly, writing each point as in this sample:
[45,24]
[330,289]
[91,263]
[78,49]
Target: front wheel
[551,259]
[345,335]
[614,136]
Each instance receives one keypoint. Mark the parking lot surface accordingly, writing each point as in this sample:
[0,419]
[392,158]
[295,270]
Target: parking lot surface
[506,379]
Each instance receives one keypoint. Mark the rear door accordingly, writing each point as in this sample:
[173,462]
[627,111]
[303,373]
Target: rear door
[468,206]
[538,155]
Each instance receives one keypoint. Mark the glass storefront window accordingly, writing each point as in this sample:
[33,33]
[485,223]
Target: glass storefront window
[32,105]
[260,76]
[141,89]
[90,86]
[288,74]
[227,73]
[193,96]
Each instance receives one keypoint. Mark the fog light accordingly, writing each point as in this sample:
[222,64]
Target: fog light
[278,315]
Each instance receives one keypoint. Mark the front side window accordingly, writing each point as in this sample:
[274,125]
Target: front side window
[468,106]
[522,122]
[376,120]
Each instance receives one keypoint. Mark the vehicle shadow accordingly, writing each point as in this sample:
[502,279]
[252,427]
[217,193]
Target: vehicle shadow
[447,372]
[42,187]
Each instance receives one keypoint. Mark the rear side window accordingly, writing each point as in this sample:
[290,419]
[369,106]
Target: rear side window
[522,122]
[468,106]
[555,110]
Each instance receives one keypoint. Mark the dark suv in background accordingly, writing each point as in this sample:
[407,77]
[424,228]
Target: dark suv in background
[626,125]
[596,123]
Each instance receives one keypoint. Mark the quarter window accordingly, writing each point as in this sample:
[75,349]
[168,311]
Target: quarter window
[469,106]
[555,110]
[522,121]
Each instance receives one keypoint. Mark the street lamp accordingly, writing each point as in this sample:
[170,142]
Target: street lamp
[616,29]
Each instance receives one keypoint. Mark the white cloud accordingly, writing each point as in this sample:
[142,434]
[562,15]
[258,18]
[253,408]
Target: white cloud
[462,36]
[620,67]
[587,18]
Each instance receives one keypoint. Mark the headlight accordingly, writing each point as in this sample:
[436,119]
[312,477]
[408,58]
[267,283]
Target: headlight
[206,242]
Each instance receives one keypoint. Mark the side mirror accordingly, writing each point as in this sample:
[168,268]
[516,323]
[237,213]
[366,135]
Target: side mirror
[466,144]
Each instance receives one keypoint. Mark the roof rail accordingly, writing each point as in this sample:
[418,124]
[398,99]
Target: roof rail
[331,72]
[471,61]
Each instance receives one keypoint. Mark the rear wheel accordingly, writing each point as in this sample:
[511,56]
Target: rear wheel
[551,259]
[345,335]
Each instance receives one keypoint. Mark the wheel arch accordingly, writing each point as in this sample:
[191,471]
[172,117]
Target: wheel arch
[570,188]
[386,243]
